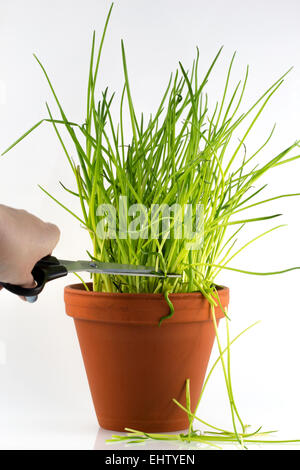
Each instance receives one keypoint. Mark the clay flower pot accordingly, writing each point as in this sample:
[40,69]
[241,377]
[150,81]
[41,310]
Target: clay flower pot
[134,367]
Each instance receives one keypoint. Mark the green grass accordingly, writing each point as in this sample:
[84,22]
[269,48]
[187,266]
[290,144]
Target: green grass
[184,153]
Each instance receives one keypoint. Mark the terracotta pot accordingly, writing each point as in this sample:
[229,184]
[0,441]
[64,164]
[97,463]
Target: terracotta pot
[134,367]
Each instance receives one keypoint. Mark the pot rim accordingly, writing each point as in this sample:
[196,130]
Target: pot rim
[80,290]
[140,309]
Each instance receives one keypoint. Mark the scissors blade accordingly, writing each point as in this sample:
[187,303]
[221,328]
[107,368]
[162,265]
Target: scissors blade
[98,267]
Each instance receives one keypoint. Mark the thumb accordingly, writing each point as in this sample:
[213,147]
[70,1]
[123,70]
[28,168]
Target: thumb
[29,283]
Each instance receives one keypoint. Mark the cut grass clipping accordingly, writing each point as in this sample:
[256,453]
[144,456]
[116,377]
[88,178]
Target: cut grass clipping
[186,152]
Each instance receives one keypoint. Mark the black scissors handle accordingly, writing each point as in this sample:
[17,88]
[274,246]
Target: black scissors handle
[45,270]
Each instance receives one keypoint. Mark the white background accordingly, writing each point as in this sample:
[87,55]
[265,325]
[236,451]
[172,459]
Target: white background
[44,396]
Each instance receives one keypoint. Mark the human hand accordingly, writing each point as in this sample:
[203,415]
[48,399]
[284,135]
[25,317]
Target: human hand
[24,240]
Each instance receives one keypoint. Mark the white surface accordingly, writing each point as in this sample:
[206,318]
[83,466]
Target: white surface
[44,396]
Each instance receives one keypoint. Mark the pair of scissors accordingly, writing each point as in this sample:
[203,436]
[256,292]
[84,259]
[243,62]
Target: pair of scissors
[50,268]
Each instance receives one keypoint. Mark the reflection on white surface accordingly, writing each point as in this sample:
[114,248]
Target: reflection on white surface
[80,432]
[103,435]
